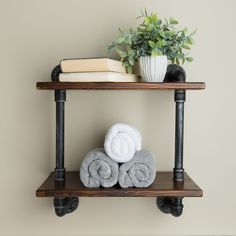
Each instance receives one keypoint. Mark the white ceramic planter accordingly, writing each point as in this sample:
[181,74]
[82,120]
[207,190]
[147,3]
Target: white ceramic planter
[153,68]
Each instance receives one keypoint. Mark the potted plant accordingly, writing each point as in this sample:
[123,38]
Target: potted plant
[152,44]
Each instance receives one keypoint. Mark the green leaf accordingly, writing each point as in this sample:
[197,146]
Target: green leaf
[129,69]
[120,40]
[151,44]
[156,52]
[189,59]
[154,18]
[131,61]
[179,55]
[159,44]
[159,22]
[128,39]
[185,46]
[121,53]
[162,34]
[163,42]
[147,20]
[190,40]
[168,34]
[166,22]
[173,21]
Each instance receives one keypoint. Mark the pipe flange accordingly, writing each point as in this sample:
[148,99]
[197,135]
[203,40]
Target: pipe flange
[170,205]
[66,205]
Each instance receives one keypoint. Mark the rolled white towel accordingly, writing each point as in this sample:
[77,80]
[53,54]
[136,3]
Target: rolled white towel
[122,141]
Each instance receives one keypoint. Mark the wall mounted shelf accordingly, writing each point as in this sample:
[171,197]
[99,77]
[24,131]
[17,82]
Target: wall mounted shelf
[120,86]
[169,188]
[163,185]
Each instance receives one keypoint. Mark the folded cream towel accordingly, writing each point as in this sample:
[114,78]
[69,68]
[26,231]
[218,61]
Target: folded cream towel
[97,169]
[139,172]
[121,142]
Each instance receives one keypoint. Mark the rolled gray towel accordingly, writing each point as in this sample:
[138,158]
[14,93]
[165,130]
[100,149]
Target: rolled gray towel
[138,172]
[97,169]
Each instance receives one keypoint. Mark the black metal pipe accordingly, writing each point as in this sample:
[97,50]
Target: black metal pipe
[60,98]
[179,135]
[68,204]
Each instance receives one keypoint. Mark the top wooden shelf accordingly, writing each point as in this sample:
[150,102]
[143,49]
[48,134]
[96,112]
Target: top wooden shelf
[120,86]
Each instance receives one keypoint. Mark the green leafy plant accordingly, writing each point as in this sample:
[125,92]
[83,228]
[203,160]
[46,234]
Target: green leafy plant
[155,37]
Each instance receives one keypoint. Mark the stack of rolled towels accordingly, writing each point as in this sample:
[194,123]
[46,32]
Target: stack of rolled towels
[122,160]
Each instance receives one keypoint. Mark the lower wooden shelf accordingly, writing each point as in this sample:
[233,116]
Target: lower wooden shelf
[163,186]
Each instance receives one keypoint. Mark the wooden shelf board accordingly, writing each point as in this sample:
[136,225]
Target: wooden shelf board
[120,86]
[162,186]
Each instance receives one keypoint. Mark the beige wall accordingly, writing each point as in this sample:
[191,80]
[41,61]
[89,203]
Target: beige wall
[35,36]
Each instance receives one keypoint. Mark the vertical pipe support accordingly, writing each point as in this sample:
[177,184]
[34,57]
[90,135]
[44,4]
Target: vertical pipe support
[62,205]
[179,135]
[60,98]
[174,205]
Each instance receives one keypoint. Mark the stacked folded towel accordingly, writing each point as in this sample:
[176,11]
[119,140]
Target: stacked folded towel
[138,172]
[97,169]
[122,145]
